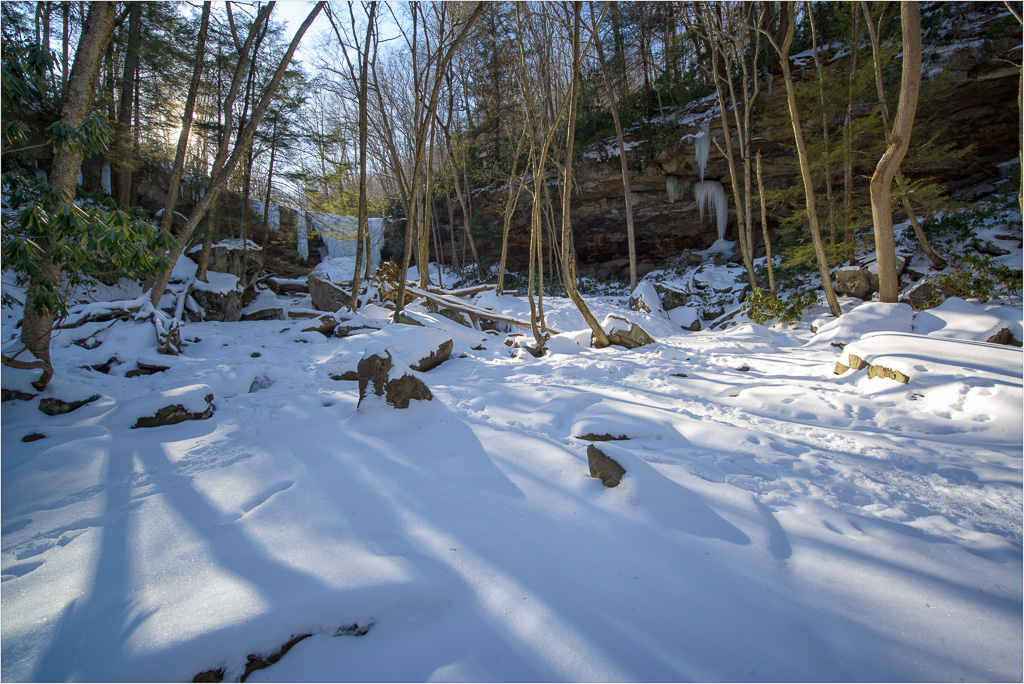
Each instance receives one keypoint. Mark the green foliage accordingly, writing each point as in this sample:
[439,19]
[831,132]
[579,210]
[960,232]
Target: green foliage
[92,137]
[762,306]
[800,256]
[949,230]
[610,287]
[970,275]
[85,238]
[975,276]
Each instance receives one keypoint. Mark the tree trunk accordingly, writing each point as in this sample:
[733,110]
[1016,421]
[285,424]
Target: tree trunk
[805,167]
[717,48]
[362,228]
[511,202]
[204,254]
[824,123]
[81,92]
[848,144]
[922,239]
[443,60]
[626,190]
[764,227]
[178,170]
[899,141]
[568,253]
[270,183]
[122,157]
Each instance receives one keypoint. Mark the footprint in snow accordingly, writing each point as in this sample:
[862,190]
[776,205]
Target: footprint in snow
[20,570]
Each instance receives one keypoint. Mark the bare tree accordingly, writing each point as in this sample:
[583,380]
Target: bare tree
[568,253]
[626,191]
[926,246]
[899,142]
[782,46]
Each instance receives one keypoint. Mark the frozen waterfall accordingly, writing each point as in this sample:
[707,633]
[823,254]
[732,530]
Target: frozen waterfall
[712,194]
[302,234]
[339,235]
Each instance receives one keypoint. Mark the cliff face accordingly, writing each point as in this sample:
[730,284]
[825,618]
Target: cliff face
[981,110]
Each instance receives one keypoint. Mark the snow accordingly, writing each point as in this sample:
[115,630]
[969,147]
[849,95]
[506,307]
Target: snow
[264,300]
[684,316]
[958,319]
[776,521]
[221,283]
[866,318]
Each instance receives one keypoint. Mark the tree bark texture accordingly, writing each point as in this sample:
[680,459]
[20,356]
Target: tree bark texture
[899,142]
[37,323]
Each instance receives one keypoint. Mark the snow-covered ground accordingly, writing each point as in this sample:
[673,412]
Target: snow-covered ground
[776,522]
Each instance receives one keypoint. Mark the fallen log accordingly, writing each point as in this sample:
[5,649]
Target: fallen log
[474,312]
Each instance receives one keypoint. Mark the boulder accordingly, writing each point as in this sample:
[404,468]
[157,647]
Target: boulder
[220,298]
[52,406]
[434,358]
[326,325]
[327,296]
[227,256]
[852,281]
[380,375]
[625,333]
[925,295]
[671,298]
[604,467]
[176,413]
[15,395]
[686,317]
[646,300]
[902,262]
[191,402]
[265,307]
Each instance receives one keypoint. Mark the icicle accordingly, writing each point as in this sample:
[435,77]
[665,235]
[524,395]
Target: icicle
[672,188]
[711,193]
[702,146]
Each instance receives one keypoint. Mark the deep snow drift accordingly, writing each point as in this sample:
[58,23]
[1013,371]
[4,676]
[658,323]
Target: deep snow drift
[776,522]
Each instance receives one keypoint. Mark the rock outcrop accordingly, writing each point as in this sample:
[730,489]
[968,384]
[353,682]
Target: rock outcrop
[980,109]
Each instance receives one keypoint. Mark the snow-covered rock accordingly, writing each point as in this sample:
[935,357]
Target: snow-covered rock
[266,307]
[866,318]
[381,376]
[959,319]
[645,298]
[169,407]
[625,333]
